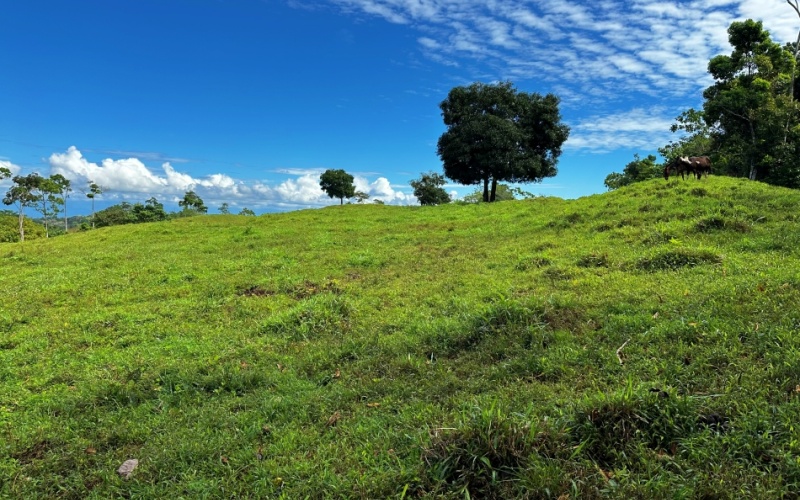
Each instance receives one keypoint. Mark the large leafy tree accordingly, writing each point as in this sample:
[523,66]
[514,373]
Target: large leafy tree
[428,189]
[23,194]
[496,133]
[750,107]
[337,184]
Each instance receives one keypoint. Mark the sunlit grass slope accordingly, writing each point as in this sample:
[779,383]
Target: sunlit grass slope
[640,343]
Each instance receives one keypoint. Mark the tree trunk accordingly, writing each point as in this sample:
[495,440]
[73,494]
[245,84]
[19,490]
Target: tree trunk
[796,7]
[494,190]
[21,227]
[341,201]
[486,189]
[44,216]
[92,212]
[752,175]
[66,224]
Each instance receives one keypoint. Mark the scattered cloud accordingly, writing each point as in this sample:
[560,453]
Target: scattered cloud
[143,155]
[299,171]
[637,128]
[612,51]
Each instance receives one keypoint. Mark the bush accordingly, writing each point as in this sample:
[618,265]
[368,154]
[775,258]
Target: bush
[9,229]
[676,259]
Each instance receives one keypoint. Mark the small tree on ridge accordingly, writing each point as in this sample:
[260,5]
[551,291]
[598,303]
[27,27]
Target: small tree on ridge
[337,184]
[428,189]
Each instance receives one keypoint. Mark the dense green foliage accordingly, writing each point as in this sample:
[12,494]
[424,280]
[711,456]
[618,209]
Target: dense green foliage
[496,133]
[752,108]
[23,194]
[750,122]
[125,213]
[640,169]
[429,191]
[47,195]
[504,192]
[641,343]
[9,228]
[750,119]
[337,184]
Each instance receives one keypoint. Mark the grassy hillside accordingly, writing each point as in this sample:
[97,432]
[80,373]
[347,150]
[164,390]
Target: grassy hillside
[642,342]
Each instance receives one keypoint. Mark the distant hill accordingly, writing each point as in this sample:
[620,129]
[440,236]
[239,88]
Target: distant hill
[58,223]
[641,343]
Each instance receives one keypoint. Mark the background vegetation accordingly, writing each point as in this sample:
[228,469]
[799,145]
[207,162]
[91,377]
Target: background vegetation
[640,343]
[750,121]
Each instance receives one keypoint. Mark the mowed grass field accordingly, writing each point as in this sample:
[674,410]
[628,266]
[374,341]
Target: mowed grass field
[639,343]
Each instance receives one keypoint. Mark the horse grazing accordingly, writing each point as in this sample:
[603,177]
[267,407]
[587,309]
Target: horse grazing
[681,165]
[701,165]
[691,165]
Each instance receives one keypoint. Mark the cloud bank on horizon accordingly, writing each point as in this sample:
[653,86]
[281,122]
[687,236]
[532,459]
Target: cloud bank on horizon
[130,178]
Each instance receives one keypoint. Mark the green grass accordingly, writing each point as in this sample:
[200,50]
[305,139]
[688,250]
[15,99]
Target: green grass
[377,352]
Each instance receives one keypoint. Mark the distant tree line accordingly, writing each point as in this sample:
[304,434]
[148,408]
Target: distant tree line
[750,121]
[48,196]
[494,133]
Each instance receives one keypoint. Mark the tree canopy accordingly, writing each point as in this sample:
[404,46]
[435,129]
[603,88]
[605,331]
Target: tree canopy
[94,190]
[337,184]
[496,133]
[751,108]
[428,189]
[23,193]
[191,202]
[750,121]
[640,169]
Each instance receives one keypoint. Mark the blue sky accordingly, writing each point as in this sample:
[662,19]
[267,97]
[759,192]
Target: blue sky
[248,101]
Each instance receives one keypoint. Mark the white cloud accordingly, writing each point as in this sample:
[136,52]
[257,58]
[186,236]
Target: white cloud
[15,169]
[609,51]
[304,189]
[382,189]
[130,178]
[636,128]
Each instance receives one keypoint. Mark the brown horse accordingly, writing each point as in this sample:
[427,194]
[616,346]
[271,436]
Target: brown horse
[680,165]
[692,165]
[701,165]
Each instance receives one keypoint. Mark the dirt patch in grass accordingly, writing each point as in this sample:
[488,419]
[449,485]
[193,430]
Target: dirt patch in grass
[35,452]
[255,291]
